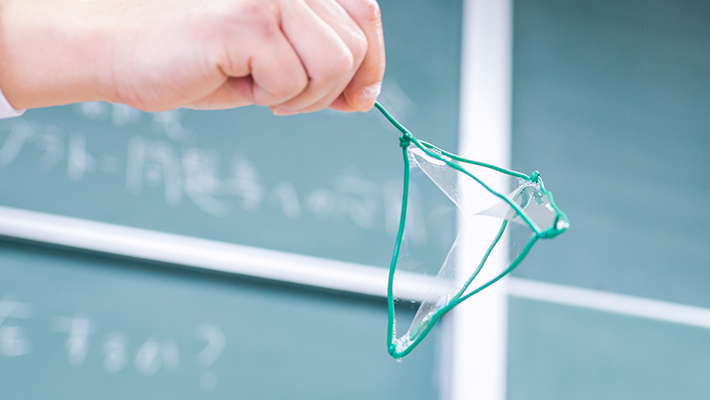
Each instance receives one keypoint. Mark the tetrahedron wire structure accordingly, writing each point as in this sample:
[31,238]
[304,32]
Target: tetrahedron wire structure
[438,225]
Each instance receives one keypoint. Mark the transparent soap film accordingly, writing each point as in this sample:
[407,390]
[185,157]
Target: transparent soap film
[464,225]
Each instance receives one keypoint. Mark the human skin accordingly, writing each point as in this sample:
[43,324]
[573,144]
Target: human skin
[294,56]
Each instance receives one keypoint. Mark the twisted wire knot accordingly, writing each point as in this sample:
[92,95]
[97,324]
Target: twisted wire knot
[535,176]
[404,141]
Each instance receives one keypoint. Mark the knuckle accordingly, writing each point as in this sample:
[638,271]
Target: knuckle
[256,12]
[258,16]
[340,64]
[345,63]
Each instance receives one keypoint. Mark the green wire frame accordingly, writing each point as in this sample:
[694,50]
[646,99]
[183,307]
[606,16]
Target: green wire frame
[561,223]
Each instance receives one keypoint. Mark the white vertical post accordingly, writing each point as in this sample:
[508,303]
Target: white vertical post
[479,325]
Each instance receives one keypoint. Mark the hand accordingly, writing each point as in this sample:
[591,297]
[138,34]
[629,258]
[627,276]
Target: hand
[293,55]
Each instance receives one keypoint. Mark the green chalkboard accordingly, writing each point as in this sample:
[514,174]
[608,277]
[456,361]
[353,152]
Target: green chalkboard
[561,352]
[84,326]
[610,103]
[326,184]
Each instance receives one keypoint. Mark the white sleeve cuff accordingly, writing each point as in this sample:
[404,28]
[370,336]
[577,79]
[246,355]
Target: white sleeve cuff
[6,110]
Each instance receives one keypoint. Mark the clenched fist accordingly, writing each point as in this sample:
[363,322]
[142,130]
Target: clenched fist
[295,56]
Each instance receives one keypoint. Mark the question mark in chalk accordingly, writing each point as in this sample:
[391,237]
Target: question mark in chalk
[215,345]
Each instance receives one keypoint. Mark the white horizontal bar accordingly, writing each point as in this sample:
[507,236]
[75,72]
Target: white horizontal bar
[209,254]
[610,302]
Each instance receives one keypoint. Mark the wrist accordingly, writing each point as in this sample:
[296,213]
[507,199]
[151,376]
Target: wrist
[54,52]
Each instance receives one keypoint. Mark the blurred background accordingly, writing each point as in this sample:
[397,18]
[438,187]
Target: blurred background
[611,103]
[233,254]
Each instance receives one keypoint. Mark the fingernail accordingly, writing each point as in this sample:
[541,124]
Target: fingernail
[281,112]
[368,95]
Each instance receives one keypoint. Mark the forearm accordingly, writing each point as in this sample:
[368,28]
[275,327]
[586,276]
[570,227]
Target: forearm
[51,51]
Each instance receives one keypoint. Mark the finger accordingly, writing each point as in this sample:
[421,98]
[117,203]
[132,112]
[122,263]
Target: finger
[262,53]
[278,74]
[328,60]
[365,86]
[350,33]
